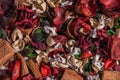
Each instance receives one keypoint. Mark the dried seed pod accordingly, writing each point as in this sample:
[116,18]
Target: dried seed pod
[39,5]
[16,34]
[70,43]
[42,57]
[50,41]
[18,45]
[17,40]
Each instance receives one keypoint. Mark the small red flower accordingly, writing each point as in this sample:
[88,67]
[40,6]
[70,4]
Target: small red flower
[87,54]
[45,70]
[16,70]
[109,63]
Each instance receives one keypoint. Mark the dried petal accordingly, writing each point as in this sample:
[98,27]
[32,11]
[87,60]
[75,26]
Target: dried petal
[60,16]
[45,70]
[86,7]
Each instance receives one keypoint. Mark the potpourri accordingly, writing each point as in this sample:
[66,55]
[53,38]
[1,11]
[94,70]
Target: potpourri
[59,39]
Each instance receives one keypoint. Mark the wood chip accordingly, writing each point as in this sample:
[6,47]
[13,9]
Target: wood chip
[24,68]
[6,51]
[34,68]
[111,75]
[115,49]
[71,75]
[118,33]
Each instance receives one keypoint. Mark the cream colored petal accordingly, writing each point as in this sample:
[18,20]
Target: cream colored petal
[18,45]
[16,34]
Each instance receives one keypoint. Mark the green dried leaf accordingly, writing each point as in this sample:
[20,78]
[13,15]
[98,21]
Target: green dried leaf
[111,32]
[38,31]
[31,55]
[41,20]
[87,67]
[29,47]
[117,27]
[77,56]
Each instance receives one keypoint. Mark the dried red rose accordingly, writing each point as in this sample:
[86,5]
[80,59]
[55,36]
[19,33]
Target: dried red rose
[111,7]
[60,39]
[7,7]
[25,18]
[86,7]
[76,24]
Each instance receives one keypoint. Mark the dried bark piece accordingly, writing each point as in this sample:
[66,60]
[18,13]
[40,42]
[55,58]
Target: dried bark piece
[111,75]
[34,68]
[24,68]
[6,51]
[115,49]
[118,32]
[71,75]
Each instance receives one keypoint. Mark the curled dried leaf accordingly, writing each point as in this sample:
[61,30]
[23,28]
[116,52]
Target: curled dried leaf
[54,3]
[70,43]
[98,24]
[39,5]
[98,64]
[16,34]
[74,62]
[17,40]
[101,21]
[18,45]
[50,41]
[42,57]
[62,65]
